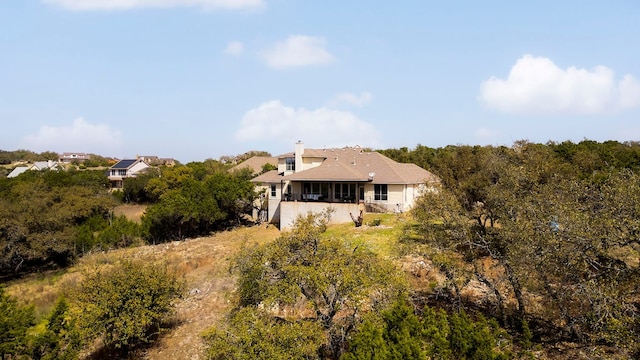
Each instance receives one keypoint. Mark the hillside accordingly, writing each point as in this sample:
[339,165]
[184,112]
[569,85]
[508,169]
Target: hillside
[204,264]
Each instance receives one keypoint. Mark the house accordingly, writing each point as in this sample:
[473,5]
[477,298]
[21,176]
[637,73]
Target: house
[348,180]
[71,157]
[154,160]
[125,169]
[38,165]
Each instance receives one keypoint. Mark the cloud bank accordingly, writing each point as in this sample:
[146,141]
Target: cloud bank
[274,121]
[79,136]
[536,85]
[298,51]
[96,5]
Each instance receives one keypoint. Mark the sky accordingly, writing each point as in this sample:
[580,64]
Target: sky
[199,79]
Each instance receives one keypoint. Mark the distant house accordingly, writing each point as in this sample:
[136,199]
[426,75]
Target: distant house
[38,165]
[155,161]
[346,179]
[125,169]
[71,157]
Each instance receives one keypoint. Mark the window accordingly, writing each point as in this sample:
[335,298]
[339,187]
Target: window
[291,163]
[345,191]
[273,190]
[315,191]
[380,192]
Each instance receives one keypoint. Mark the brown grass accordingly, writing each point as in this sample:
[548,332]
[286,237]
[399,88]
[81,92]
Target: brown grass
[131,212]
[204,265]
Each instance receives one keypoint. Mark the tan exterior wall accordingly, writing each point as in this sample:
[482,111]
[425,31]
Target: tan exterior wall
[289,211]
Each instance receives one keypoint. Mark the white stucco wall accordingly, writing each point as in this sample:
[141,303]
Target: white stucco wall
[289,210]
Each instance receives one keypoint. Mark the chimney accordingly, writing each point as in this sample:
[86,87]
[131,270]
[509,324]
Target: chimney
[298,154]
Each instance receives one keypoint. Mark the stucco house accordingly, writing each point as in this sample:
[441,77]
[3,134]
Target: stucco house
[347,180]
[124,169]
[71,157]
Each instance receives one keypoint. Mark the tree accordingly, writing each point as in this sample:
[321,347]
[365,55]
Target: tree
[60,339]
[15,320]
[126,305]
[252,333]
[336,281]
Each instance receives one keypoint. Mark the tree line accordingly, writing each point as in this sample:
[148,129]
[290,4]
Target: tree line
[49,218]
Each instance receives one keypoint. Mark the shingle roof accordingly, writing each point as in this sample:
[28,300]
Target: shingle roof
[268,177]
[256,163]
[353,164]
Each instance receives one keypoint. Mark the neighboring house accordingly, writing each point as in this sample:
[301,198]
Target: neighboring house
[44,165]
[125,169]
[155,161]
[71,157]
[38,165]
[347,180]
[256,164]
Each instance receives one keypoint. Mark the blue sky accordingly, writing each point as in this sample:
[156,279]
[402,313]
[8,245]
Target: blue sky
[198,79]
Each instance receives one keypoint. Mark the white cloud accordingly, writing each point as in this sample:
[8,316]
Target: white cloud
[79,136]
[234,48]
[82,5]
[535,85]
[274,121]
[348,98]
[296,51]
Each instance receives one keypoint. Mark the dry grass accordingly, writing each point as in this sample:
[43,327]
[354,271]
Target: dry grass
[131,212]
[202,262]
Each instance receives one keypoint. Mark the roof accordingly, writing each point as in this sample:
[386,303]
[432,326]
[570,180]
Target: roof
[17,171]
[124,164]
[355,165]
[268,177]
[255,163]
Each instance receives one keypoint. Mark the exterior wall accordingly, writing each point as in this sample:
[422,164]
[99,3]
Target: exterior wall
[136,168]
[400,197]
[289,211]
[310,162]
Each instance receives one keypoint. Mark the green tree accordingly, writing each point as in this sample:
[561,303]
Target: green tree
[252,333]
[126,305]
[60,338]
[15,320]
[334,279]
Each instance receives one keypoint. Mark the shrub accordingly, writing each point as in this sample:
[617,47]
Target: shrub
[127,304]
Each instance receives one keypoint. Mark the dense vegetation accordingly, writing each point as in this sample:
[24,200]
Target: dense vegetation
[549,233]
[52,217]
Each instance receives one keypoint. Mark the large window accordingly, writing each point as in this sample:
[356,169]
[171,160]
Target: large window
[345,191]
[380,192]
[291,163]
[315,191]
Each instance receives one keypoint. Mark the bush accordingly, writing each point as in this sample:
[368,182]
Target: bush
[126,305]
